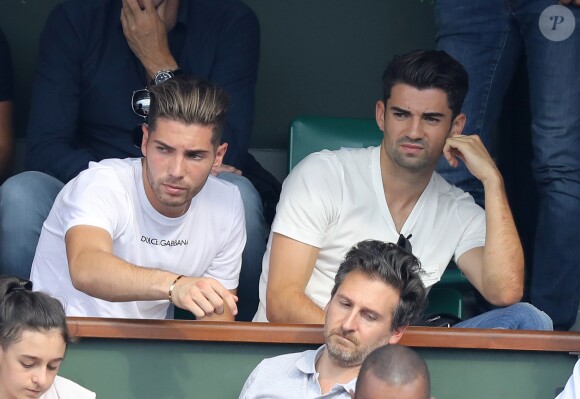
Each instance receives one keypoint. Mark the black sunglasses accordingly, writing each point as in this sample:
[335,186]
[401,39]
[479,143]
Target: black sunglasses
[140,101]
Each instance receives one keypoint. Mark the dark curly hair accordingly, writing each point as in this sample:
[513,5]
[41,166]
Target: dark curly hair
[394,266]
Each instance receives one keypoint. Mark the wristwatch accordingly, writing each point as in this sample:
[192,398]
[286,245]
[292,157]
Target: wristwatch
[164,75]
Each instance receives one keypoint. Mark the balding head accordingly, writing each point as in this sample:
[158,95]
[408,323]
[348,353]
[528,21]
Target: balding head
[393,372]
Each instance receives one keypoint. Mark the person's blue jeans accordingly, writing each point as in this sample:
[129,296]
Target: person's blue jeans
[257,236]
[488,37]
[521,316]
[25,202]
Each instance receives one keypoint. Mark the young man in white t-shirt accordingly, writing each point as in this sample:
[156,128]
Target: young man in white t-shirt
[392,192]
[127,237]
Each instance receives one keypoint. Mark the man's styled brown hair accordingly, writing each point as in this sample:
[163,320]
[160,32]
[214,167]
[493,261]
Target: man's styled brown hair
[189,101]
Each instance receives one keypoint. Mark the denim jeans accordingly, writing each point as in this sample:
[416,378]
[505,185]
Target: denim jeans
[488,37]
[521,316]
[26,200]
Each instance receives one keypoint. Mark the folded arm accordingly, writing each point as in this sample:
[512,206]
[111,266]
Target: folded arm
[96,271]
[497,269]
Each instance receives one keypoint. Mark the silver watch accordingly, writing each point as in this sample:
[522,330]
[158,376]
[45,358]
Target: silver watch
[164,75]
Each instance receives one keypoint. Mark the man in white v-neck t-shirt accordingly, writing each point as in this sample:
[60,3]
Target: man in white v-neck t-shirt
[128,236]
[333,199]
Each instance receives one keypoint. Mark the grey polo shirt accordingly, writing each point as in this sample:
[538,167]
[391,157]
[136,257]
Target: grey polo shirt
[291,376]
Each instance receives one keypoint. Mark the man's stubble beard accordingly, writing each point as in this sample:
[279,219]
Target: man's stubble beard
[346,358]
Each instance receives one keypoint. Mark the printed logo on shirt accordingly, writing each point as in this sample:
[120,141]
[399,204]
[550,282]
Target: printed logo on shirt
[557,23]
[163,243]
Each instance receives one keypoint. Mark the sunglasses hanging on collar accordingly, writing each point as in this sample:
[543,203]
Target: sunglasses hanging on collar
[140,102]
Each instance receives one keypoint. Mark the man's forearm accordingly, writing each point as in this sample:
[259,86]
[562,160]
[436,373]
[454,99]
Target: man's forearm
[105,276]
[503,272]
[294,308]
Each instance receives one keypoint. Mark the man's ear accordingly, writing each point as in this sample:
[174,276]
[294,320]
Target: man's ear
[457,125]
[145,138]
[397,335]
[380,114]
[219,154]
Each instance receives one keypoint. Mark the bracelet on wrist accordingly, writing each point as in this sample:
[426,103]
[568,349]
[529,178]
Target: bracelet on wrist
[172,286]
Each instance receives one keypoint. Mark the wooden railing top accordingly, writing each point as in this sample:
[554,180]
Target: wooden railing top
[182,330]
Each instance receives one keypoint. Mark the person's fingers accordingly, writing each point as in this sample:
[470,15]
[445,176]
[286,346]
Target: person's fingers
[131,8]
[123,18]
[149,6]
[229,298]
[207,308]
[226,168]
[205,297]
[193,307]
[210,297]
[448,154]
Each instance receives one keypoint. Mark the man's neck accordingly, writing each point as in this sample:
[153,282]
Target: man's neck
[330,373]
[402,188]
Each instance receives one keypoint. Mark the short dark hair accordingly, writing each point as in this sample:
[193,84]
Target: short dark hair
[428,69]
[21,310]
[394,266]
[396,365]
[190,101]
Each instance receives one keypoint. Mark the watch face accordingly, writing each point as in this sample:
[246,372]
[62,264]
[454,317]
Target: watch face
[162,76]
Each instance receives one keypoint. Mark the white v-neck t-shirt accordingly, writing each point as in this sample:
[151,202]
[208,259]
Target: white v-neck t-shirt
[335,199]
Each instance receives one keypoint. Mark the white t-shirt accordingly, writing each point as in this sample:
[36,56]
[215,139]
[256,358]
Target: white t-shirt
[207,240]
[335,199]
[62,388]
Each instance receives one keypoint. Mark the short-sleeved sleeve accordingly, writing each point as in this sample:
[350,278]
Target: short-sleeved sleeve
[97,199]
[310,199]
[226,266]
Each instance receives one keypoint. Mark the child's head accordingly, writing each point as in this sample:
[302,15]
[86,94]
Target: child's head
[33,339]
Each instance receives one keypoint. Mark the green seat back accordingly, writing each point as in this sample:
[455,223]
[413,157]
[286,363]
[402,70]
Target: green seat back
[309,134]
[445,301]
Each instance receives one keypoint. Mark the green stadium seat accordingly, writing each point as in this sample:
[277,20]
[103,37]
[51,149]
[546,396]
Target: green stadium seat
[445,301]
[309,134]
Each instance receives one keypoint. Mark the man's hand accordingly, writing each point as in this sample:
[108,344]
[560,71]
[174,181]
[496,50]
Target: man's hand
[146,34]
[472,152]
[216,170]
[570,2]
[204,297]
